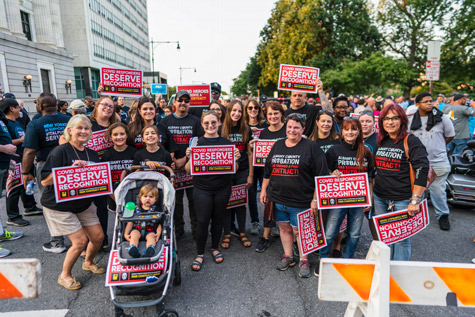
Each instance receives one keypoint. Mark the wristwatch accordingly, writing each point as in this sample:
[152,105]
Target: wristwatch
[415,201]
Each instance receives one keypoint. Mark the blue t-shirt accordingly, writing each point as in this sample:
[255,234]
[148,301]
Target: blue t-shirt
[16,132]
[4,140]
[43,134]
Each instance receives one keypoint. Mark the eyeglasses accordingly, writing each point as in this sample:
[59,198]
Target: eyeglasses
[396,118]
[212,123]
[216,109]
[183,100]
[107,105]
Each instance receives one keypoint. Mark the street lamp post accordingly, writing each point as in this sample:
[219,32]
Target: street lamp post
[183,68]
[152,42]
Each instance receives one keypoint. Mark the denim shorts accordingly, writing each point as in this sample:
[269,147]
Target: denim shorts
[284,213]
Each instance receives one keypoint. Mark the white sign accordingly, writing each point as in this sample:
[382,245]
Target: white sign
[433,51]
[432,70]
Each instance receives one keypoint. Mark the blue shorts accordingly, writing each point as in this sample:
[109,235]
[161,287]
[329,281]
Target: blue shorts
[284,213]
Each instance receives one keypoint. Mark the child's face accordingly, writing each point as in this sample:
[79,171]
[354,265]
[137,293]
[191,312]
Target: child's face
[148,200]
[150,137]
[118,136]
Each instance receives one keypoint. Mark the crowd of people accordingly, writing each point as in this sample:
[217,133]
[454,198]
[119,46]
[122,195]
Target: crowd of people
[314,137]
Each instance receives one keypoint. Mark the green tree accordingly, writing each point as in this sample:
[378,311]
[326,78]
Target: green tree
[246,82]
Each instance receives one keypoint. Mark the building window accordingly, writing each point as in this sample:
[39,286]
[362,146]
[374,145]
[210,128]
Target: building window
[79,79]
[25,23]
[45,80]
[95,79]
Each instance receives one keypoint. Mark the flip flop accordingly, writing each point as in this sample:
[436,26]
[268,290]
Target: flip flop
[197,263]
[72,285]
[95,268]
[217,256]
[244,240]
[226,242]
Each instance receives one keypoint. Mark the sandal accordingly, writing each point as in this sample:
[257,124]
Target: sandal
[94,268]
[217,257]
[198,263]
[72,284]
[245,241]
[226,242]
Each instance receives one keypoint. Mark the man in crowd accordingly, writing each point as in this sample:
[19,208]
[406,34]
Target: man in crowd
[77,107]
[215,95]
[125,109]
[340,105]
[441,101]
[89,104]
[460,114]
[435,130]
[42,135]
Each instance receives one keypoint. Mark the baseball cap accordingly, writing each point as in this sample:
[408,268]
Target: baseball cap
[216,86]
[440,95]
[182,93]
[77,104]
[9,95]
[263,98]
[458,96]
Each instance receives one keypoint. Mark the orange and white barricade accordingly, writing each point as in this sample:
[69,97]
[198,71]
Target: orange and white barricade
[370,285]
[20,278]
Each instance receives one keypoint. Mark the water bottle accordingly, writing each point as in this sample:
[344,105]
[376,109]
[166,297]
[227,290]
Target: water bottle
[129,209]
[30,188]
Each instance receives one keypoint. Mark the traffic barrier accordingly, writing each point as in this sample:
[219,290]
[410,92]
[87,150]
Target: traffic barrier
[370,285]
[20,278]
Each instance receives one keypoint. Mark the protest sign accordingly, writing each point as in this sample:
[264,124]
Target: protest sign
[118,274]
[376,121]
[261,151]
[209,160]
[200,94]
[299,78]
[351,190]
[344,224]
[256,133]
[72,183]
[159,89]
[238,196]
[311,233]
[14,178]
[99,143]
[183,180]
[398,225]
[121,82]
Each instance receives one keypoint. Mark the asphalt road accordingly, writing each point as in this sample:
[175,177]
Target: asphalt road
[246,284]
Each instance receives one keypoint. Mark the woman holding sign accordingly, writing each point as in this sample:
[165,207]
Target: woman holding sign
[77,219]
[211,194]
[289,182]
[350,156]
[392,183]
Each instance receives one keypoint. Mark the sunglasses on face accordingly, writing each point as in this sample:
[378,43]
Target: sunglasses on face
[253,107]
[183,100]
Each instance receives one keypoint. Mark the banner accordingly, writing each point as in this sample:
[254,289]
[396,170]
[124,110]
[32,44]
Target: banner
[159,89]
[311,233]
[351,190]
[298,78]
[200,94]
[256,133]
[261,151]
[99,143]
[118,274]
[376,121]
[398,225]
[344,224]
[121,82]
[72,183]
[209,160]
[183,180]
[238,196]
[14,178]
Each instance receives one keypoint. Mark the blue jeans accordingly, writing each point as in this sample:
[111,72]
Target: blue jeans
[438,196]
[456,146]
[284,213]
[400,251]
[332,228]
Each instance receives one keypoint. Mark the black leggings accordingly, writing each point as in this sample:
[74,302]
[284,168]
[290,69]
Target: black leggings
[210,205]
[238,179]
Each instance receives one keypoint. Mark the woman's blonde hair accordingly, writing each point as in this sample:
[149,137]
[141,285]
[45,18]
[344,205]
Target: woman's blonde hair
[74,122]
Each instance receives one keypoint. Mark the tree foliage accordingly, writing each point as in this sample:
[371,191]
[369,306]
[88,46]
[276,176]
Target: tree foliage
[246,82]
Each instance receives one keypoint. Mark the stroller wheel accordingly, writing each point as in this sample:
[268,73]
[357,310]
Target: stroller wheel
[169,313]
[177,278]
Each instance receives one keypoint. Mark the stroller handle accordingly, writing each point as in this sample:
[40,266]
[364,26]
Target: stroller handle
[133,168]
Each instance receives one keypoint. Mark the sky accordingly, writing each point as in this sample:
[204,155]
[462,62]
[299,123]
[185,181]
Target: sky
[217,37]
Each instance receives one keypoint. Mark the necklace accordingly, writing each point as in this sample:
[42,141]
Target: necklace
[87,154]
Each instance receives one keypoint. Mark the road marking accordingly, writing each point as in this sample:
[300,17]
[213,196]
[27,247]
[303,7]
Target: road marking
[37,313]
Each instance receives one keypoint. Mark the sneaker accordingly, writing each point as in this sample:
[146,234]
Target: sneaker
[6,236]
[296,250]
[255,227]
[149,252]
[20,222]
[33,211]
[262,245]
[134,251]
[4,252]
[54,247]
[275,232]
[304,269]
[444,223]
[316,272]
[285,263]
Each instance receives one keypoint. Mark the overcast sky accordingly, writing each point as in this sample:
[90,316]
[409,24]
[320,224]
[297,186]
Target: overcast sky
[216,36]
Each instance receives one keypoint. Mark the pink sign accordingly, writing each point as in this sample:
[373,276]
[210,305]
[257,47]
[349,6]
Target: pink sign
[311,233]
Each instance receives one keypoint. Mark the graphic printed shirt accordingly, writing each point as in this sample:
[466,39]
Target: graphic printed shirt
[266,134]
[16,132]
[310,114]
[119,161]
[327,143]
[236,137]
[342,157]
[182,130]
[161,156]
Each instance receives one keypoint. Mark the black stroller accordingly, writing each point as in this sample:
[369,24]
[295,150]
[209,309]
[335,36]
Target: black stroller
[128,276]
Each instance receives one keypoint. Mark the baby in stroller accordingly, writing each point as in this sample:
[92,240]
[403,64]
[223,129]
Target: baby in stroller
[151,230]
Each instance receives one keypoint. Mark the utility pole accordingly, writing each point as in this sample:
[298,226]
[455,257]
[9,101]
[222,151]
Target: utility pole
[152,43]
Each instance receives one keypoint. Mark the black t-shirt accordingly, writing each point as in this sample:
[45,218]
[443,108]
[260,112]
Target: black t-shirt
[197,111]
[182,130]
[212,182]
[43,134]
[166,139]
[370,142]
[342,156]
[310,114]
[236,137]
[260,127]
[5,139]
[119,161]
[161,156]
[61,156]
[291,172]
[392,178]
[327,143]
[266,134]
[16,132]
